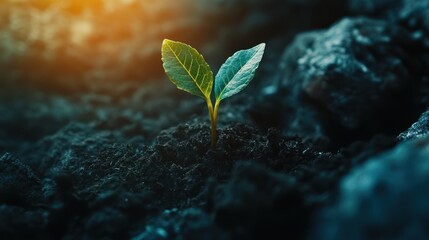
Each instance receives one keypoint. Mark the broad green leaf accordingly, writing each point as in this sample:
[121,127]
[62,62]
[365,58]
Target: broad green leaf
[236,73]
[186,68]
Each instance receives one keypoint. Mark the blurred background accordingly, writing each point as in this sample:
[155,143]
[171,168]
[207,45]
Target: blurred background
[70,46]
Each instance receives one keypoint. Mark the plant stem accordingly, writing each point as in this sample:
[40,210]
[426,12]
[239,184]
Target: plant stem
[216,107]
[213,120]
[213,123]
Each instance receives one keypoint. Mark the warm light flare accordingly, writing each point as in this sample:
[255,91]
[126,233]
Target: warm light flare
[85,40]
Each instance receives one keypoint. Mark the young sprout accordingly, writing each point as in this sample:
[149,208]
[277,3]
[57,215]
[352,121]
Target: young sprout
[188,70]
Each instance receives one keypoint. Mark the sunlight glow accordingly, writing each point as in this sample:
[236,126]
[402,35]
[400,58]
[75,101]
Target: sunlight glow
[76,36]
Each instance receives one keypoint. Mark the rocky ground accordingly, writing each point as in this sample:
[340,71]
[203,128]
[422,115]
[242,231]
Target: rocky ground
[330,141]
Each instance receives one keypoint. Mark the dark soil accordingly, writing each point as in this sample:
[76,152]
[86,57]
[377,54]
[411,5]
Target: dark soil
[328,142]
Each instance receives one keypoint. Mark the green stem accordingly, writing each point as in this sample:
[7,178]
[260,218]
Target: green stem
[216,107]
[213,122]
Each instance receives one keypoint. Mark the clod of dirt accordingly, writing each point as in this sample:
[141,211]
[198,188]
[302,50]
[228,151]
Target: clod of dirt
[354,75]
[419,129]
[19,185]
[260,204]
[386,198]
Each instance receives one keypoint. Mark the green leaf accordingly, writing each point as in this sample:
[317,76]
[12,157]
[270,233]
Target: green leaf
[236,73]
[186,68]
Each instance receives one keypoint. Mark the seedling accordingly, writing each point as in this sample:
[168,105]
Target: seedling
[188,70]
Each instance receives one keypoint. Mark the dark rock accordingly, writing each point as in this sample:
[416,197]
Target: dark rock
[260,204]
[353,75]
[414,15]
[18,183]
[132,203]
[266,111]
[107,224]
[298,48]
[386,198]
[189,224]
[419,129]
[19,223]
[372,7]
